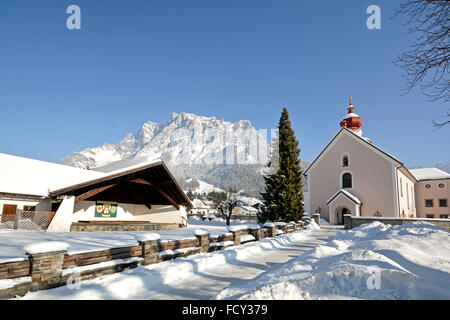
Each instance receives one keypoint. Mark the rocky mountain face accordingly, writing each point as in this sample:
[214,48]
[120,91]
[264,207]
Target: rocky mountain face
[225,154]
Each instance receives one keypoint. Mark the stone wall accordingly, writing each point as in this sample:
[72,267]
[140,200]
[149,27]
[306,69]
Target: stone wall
[351,222]
[57,268]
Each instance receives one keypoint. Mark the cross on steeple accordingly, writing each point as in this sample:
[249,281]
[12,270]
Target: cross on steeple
[350,106]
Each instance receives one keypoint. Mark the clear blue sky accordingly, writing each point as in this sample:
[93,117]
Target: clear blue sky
[62,91]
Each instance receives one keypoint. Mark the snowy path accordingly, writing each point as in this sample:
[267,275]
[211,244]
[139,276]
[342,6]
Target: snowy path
[208,284]
[202,276]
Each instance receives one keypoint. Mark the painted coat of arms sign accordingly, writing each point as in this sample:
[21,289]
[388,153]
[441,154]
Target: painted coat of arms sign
[105,209]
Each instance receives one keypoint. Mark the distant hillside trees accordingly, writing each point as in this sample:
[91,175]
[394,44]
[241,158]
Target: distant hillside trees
[245,177]
[217,197]
[283,196]
[190,195]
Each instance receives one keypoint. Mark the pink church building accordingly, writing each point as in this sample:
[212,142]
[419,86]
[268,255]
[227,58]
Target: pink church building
[353,176]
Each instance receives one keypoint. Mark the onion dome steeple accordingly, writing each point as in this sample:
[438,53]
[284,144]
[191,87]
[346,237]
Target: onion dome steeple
[352,121]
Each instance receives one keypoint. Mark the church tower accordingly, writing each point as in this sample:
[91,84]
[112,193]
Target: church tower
[352,121]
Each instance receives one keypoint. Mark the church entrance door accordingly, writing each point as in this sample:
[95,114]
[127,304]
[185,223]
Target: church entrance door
[340,215]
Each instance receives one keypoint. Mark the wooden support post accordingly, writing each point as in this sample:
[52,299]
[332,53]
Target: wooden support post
[16,219]
[165,195]
[93,192]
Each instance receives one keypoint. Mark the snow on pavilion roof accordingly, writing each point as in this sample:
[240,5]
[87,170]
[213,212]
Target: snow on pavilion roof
[19,175]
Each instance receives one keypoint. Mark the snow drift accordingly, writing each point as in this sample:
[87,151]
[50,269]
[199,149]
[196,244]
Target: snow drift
[374,261]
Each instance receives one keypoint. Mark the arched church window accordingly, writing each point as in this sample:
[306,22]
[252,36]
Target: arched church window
[345,161]
[346,180]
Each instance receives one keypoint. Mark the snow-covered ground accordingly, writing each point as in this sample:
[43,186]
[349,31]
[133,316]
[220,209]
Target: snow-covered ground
[205,187]
[200,276]
[13,241]
[374,261]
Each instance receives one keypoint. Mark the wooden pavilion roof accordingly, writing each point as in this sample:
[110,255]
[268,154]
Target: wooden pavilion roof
[149,184]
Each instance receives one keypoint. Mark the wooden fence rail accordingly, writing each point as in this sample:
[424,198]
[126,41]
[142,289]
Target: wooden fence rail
[98,263]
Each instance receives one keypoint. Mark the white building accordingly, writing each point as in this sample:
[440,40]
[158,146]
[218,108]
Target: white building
[199,208]
[243,209]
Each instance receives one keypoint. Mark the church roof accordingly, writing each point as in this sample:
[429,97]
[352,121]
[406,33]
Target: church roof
[347,194]
[363,140]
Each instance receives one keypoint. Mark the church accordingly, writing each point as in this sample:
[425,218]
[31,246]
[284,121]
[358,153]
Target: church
[353,176]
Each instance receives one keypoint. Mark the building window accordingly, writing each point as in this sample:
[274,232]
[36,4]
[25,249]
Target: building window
[29,208]
[345,161]
[401,187]
[442,203]
[407,196]
[346,180]
[429,203]
[441,185]
[428,186]
[430,216]
[444,216]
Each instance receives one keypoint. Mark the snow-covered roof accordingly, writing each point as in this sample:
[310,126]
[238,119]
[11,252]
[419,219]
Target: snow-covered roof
[114,171]
[366,141]
[429,174]
[19,175]
[127,164]
[348,194]
[197,203]
[26,176]
[247,208]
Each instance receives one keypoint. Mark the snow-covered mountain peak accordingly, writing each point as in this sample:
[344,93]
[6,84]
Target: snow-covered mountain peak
[185,138]
[147,132]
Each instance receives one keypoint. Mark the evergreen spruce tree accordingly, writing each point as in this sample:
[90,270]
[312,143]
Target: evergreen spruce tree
[283,199]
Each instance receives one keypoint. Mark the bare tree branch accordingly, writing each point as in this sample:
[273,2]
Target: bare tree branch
[439,125]
[426,64]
